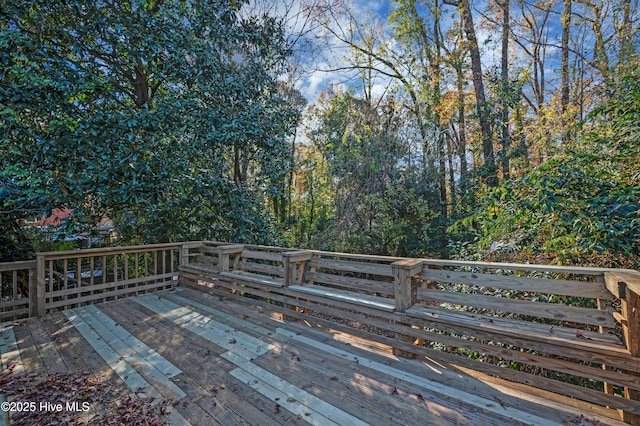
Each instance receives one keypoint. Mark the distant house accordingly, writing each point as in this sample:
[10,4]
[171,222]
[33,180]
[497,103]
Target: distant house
[101,233]
[57,218]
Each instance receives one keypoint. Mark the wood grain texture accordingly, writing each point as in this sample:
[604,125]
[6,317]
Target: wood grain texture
[595,290]
[555,311]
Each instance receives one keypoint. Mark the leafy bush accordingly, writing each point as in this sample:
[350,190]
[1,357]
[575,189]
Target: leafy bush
[581,206]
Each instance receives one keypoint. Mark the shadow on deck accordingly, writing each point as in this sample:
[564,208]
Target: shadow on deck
[230,363]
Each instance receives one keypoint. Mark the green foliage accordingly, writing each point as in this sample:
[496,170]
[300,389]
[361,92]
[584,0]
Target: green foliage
[580,206]
[14,241]
[359,192]
[140,112]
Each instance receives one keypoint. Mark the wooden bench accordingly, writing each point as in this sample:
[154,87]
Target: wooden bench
[251,279]
[357,279]
[211,259]
[264,268]
[365,300]
[510,319]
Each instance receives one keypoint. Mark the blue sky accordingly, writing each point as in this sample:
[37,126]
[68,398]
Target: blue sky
[316,63]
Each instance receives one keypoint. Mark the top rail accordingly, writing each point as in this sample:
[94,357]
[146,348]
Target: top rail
[54,255]
[22,264]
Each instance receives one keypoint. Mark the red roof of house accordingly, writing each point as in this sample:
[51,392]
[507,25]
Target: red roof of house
[56,218]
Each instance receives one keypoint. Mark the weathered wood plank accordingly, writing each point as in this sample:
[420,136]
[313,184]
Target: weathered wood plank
[351,283]
[19,265]
[212,330]
[104,322]
[113,284]
[53,361]
[56,255]
[560,336]
[292,398]
[234,321]
[18,311]
[9,351]
[366,393]
[107,294]
[375,302]
[204,371]
[554,311]
[576,270]
[260,267]
[199,269]
[262,255]
[31,359]
[595,290]
[531,359]
[359,257]
[126,372]
[351,266]
[252,279]
[541,382]
[477,401]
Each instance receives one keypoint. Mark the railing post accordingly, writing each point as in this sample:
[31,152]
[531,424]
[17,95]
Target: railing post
[294,265]
[289,269]
[626,286]
[38,306]
[403,270]
[184,254]
[224,253]
[33,291]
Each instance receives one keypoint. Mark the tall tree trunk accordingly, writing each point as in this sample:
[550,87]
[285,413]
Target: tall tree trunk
[478,84]
[442,169]
[626,33]
[564,69]
[505,89]
[462,126]
[452,181]
[566,27]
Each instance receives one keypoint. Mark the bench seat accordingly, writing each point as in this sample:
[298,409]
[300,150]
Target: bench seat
[376,302]
[249,278]
[519,330]
[199,268]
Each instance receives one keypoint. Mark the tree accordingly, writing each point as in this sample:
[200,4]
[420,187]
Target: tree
[478,83]
[378,204]
[505,89]
[164,116]
[581,206]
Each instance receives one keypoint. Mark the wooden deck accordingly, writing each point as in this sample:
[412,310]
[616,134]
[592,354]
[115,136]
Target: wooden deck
[231,364]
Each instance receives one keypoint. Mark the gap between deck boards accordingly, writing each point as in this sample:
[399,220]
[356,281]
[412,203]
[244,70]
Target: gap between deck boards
[241,349]
[116,346]
[271,385]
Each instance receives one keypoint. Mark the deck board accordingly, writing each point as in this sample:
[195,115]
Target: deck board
[228,363]
[203,369]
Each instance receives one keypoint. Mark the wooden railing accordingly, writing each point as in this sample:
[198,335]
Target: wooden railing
[73,278]
[57,280]
[17,279]
[569,330]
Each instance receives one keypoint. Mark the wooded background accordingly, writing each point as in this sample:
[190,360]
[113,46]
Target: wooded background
[503,130]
